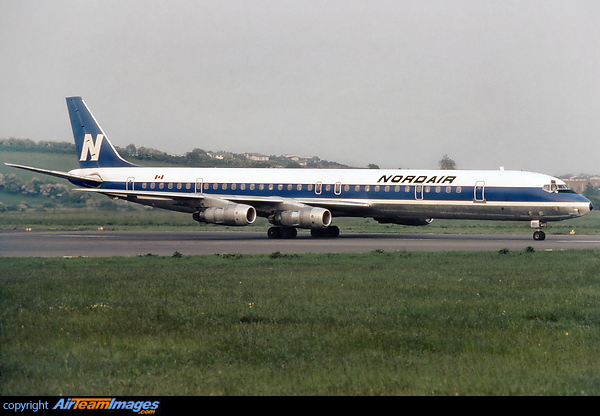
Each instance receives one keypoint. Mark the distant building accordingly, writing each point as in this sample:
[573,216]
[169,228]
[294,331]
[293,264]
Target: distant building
[256,157]
[219,155]
[579,183]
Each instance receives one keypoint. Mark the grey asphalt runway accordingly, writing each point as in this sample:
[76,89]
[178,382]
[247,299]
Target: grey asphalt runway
[15,243]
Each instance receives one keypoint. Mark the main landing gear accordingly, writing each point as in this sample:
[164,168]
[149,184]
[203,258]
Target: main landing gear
[538,235]
[282,232]
[290,232]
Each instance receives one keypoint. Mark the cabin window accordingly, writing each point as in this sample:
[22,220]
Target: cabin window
[144,185]
[448,189]
[188,186]
[152,185]
[357,188]
[309,187]
[170,185]
[243,186]
[233,186]
[377,188]
[367,188]
[397,188]
[458,189]
[407,188]
[328,188]
[427,189]
[346,188]
[299,187]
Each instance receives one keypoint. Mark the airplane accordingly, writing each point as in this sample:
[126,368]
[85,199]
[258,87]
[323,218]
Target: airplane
[311,198]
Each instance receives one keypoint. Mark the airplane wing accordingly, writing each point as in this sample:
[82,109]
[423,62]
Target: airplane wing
[189,202]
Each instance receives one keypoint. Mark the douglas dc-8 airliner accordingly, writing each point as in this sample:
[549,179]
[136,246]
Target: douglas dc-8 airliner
[311,198]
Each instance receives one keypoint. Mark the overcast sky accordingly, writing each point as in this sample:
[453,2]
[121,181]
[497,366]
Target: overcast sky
[395,83]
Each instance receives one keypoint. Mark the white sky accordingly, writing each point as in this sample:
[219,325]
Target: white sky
[396,83]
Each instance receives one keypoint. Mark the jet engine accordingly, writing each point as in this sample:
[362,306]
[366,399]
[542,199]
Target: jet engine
[405,221]
[308,217]
[230,214]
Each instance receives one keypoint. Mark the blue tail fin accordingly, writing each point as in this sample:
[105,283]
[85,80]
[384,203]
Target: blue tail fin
[93,147]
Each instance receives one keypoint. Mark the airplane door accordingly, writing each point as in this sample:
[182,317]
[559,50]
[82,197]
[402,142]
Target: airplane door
[419,192]
[130,184]
[199,185]
[479,193]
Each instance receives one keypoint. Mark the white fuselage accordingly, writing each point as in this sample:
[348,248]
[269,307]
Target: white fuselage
[378,193]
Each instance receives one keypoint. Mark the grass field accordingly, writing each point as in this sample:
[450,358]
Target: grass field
[157,219]
[518,323]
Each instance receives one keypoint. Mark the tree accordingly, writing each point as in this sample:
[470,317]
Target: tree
[373,166]
[131,150]
[446,163]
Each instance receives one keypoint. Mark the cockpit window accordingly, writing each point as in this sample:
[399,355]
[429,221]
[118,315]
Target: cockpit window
[564,189]
[552,187]
[560,188]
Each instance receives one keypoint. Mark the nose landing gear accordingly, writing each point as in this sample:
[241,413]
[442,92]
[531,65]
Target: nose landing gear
[538,235]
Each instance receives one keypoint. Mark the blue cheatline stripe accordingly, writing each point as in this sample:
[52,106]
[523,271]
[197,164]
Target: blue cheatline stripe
[375,192]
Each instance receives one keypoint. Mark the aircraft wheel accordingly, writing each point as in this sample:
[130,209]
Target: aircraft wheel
[282,232]
[332,231]
[274,232]
[539,236]
[317,232]
[288,232]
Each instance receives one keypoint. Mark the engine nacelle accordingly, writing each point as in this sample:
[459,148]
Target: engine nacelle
[415,222]
[308,217]
[231,214]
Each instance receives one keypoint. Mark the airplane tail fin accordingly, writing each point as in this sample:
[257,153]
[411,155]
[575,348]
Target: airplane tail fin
[93,147]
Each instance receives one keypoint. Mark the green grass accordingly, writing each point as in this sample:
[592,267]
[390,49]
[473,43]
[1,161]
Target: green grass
[379,323]
[157,219]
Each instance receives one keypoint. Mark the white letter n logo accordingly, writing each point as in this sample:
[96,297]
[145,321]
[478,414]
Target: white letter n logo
[90,148]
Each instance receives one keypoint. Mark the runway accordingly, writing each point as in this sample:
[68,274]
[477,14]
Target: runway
[133,243]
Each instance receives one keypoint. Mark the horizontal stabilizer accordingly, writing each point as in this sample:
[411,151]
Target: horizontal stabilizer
[59,174]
